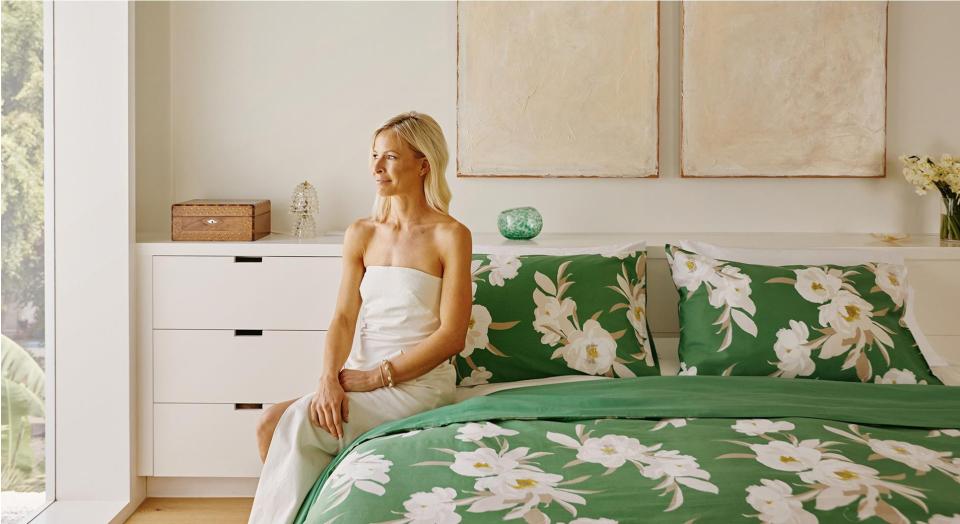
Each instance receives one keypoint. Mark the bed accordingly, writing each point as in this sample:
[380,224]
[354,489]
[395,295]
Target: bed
[659,449]
[637,440]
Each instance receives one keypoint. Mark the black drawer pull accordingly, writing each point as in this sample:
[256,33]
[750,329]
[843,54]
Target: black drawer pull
[247,406]
[248,332]
[248,259]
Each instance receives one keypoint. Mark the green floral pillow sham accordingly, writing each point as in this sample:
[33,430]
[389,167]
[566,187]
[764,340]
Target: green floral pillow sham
[545,315]
[826,322]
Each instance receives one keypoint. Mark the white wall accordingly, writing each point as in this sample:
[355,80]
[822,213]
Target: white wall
[94,230]
[263,96]
[152,55]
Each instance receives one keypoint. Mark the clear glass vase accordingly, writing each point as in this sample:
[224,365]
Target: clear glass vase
[950,221]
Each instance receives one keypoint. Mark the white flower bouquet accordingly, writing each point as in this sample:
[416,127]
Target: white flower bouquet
[944,175]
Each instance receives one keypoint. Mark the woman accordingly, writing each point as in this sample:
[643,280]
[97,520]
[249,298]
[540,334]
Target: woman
[406,275]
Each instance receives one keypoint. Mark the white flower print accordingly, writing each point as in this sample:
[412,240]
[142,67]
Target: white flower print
[362,470]
[846,313]
[475,273]
[851,328]
[477,330]
[435,507]
[591,351]
[892,279]
[898,376]
[610,451]
[793,351]
[673,464]
[477,377]
[917,457]
[481,322]
[687,371]
[475,432]
[677,469]
[816,285]
[830,479]
[691,270]
[634,291]
[732,288]
[843,480]
[784,456]
[759,426]
[846,319]
[728,289]
[502,268]
[775,501]
[551,317]
[523,490]
[675,422]
[483,462]
[941,519]
[593,521]
[636,318]
[947,432]
[509,480]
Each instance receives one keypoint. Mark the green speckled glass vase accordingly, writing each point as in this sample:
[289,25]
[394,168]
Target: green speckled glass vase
[520,223]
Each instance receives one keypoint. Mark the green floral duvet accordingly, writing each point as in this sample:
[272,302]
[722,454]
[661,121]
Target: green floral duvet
[659,449]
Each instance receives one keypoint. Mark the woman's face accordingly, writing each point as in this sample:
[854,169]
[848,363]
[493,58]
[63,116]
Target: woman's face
[395,166]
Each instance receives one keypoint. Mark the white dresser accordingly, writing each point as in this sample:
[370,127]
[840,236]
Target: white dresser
[225,329]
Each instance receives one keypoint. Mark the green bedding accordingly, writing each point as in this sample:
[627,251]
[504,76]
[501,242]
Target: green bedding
[659,449]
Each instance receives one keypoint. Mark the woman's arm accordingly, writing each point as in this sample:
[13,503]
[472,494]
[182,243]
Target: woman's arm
[329,407]
[456,303]
[340,335]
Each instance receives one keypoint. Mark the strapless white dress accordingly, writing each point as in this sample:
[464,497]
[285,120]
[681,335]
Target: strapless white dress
[400,307]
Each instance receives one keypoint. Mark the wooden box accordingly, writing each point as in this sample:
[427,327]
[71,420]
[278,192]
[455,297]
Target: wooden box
[220,220]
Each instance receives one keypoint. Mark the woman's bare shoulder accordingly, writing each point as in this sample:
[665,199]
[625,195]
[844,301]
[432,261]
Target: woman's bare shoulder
[452,236]
[362,225]
[357,235]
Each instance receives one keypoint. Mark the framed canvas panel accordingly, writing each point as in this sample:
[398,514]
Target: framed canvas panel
[783,89]
[557,89]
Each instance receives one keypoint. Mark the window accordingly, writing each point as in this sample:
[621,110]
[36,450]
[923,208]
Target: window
[26,313]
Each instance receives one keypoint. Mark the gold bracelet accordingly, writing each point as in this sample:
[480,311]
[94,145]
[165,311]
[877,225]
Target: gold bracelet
[386,365]
[383,383]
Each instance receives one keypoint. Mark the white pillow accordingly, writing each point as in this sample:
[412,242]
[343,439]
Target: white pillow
[839,256]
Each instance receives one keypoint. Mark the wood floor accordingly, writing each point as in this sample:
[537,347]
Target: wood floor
[192,510]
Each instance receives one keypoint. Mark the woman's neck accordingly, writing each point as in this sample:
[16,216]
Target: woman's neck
[408,211]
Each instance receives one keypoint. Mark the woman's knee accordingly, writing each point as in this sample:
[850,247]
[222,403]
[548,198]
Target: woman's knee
[269,420]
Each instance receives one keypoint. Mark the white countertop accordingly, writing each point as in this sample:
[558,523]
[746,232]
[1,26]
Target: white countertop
[330,244]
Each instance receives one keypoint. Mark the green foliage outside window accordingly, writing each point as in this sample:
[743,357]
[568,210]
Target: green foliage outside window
[23,466]
[22,157]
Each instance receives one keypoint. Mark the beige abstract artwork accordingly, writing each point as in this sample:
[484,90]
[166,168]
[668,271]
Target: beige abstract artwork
[557,89]
[783,89]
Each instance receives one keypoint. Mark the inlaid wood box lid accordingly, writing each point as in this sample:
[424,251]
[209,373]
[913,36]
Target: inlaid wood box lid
[221,208]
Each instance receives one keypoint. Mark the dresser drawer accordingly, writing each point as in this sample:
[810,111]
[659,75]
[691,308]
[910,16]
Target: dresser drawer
[205,440]
[227,366]
[194,292]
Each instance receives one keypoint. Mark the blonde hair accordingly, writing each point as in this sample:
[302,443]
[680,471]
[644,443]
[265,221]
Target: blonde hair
[422,133]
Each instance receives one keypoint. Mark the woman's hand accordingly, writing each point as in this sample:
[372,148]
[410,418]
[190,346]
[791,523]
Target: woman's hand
[329,408]
[360,381]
